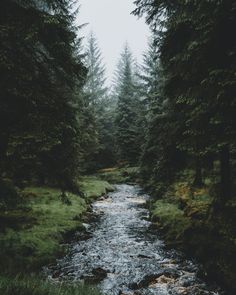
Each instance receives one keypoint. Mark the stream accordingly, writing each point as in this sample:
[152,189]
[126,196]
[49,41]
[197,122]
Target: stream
[123,255]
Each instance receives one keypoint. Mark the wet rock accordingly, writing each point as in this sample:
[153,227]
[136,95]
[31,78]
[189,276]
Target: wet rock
[129,293]
[104,197]
[98,274]
[187,279]
[163,280]
[181,291]
[144,256]
[150,280]
[56,274]
[89,217]
[197,290]
[83,236]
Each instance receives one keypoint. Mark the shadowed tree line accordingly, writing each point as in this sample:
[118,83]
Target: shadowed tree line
[42,72]
[192,115]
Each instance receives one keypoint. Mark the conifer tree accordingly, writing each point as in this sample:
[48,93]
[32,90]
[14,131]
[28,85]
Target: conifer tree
[150,73]
[128,106]
[200,98]
[95,95]
[41,67]
[95,86]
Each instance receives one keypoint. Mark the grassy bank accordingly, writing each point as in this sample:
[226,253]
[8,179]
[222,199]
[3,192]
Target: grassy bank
[36,286]
[188,218]
[31,236]
[119,175]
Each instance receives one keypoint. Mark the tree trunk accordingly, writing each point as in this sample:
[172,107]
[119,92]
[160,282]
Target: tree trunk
[198,173]
[3,148]
[209,162]
[225,174]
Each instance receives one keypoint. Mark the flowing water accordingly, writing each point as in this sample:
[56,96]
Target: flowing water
[122,255]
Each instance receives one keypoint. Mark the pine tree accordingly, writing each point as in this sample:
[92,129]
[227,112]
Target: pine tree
[150,73]
[128,106]
[95,95]
[41,67]
[199,76]
[94,87]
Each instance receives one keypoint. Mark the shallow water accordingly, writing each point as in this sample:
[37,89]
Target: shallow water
[122,255]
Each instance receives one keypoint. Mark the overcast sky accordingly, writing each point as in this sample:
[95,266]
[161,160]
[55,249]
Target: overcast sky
[113,25]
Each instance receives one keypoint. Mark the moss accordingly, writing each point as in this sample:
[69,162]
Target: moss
[36,286]
[41,227]
[170,219]
[186,215]
[181,206]
[94,187]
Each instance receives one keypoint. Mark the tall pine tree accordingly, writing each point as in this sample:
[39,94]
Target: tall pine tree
[200,84]
[95,95]
[41,67]
[128,107]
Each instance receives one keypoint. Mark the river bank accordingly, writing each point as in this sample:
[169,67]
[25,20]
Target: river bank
[188,219]
[32,235]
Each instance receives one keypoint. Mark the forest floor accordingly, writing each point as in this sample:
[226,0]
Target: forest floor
[189,219]
[32,235]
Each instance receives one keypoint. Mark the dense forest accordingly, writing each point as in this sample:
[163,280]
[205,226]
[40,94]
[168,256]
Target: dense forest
[172,116]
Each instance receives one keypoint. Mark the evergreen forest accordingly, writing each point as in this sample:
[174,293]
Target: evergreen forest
[68,137]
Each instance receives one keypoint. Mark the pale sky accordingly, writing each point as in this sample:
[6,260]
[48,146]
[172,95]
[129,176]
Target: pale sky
[113,25]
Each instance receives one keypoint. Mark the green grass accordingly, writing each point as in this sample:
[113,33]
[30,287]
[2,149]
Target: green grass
[35,286]
[170,218]
[94,187]
[181,205]
[31,237]
[119,175]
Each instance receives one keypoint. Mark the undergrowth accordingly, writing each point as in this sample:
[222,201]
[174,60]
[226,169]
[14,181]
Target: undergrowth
[36,286]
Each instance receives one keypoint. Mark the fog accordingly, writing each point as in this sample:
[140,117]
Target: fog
[113,25]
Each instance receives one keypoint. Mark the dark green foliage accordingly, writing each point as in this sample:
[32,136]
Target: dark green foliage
[197,56]
[40,68]
[160,158]
[98,116]
[95,83]
[150,74]
[129,106]
[106,156]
